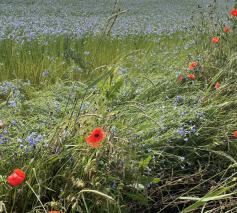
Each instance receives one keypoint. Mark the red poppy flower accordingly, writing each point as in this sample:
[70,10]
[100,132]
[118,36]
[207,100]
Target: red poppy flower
[215,40]
[233,12]
[217,85]
[191,76]
[193,65]
[54,212]
[95,138]
[16,178]
[180,78]
[235,134]
[1,124]
[226,29]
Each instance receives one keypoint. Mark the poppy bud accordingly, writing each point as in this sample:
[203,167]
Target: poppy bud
[226,29]
[193,65]
[215,40]
[235,134]
[180,78]
[217,85]
[191,76]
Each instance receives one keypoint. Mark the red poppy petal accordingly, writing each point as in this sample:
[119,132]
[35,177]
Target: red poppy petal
[233,12]
[92,139]
[14,180]
[94,144]
[20,173]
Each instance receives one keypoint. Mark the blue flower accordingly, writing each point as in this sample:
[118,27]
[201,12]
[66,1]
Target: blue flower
[33,139]
[177,100]
[113,185]
[186,139]
[3,139]
[12,103]
[14,122]
[182,131]
[193,129]
[45,73]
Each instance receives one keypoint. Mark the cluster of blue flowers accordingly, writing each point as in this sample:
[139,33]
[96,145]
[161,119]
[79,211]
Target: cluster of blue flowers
[186,131]
[33,139]
[10,92]
[3,139]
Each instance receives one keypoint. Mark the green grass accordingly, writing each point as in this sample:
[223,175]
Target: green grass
[128,86]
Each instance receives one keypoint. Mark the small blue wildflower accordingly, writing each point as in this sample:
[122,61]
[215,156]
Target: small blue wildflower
[177,100]
[33,139]
[3,139]
[183,113]
[14,122]
[186,139]
[77,69]
[85,106]
[45,73]
[12,103]
[113,185]
[200,115]
[181,131]
[5,132]
[122,70]
[193,129]
[113,130]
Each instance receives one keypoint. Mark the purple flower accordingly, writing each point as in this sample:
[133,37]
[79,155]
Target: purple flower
[182,131]
[14,122]
[45,73]
[193,129]
[33,139]
[3,139]
[12,103]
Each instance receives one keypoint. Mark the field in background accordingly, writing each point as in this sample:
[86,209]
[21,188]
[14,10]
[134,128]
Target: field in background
[56,17]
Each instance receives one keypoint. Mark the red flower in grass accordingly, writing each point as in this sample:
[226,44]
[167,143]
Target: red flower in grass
[54,212]
[233,12]
[95,138]
[226,29]
[16,178]
[215,40]
[217,85]
[180,78]
[193,65]
[191,76]
[235,134]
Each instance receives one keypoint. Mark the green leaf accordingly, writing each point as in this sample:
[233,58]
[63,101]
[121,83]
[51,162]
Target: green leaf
[156,180]
[144,163]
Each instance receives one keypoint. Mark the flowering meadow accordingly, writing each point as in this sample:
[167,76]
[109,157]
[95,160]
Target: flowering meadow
[118,106]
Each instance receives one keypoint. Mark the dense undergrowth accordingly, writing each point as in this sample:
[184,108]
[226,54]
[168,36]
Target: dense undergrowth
[169,144]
